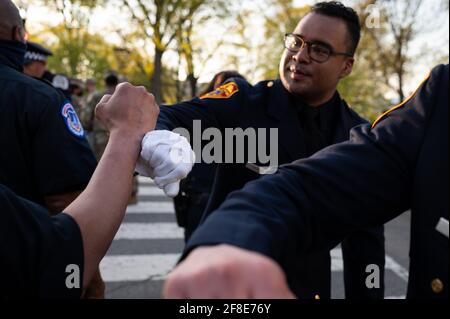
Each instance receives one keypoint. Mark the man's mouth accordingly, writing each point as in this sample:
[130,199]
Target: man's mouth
[297,73]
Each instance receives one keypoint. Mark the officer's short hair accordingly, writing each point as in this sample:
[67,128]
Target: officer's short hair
[337,10]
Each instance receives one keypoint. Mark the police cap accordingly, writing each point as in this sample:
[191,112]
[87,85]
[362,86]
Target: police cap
[36,52]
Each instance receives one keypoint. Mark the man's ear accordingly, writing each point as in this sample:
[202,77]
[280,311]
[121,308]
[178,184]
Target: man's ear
[348,68]
[19,34]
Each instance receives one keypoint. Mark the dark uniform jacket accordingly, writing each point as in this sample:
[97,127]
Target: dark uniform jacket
[36,249]
[43,149]
[399,163]
[269,105]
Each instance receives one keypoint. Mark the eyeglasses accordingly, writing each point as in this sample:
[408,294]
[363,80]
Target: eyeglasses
[319,52]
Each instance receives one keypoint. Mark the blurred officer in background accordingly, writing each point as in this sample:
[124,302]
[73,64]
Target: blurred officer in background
[98,136]
[76,89]
[35,62]
[60,82]
[91,88]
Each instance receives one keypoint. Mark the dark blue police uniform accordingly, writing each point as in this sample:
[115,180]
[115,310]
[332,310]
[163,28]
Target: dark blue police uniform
[36,249]
[193,197]
[44,151]
[399,163]
[269,105]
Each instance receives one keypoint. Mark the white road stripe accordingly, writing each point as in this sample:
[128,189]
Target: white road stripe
[336,260]
[154,267]
[137,267]
[396,268]
[151,208]
[145,180]
[149,231]
[337,264]
[150,191]
[157,266]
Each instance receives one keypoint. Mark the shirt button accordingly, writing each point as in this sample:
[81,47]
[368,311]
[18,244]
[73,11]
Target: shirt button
[270,84]
[437,286]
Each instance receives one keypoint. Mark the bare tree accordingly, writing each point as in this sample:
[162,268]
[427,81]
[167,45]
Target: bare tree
[401,24]
[159,21]
[192,49]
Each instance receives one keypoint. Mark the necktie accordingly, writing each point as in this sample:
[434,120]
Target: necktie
[313,135]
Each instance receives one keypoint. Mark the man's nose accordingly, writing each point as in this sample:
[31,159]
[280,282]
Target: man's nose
[302,55]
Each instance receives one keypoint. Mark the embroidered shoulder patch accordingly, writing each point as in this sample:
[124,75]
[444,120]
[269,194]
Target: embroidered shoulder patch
[71,119]
[224,92]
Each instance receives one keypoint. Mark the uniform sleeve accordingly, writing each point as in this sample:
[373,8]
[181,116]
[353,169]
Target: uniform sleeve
[214,110]
[88,112]
[36,250]
[312,204]
[62,159]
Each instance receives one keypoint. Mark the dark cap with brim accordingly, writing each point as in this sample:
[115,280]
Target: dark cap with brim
[36,52]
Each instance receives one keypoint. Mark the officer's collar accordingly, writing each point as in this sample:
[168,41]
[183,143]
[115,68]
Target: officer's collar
[278,102]
[12,54]
[324,112]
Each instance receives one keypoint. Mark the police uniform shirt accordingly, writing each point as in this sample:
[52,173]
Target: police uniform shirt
[43,149]
[267,105]
[401,162]
[36,250]
[317,123]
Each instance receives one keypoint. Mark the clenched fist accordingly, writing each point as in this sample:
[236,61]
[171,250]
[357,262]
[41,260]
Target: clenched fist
[131,111]
[227,272]
[166,157]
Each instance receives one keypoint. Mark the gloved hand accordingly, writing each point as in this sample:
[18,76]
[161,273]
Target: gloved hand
[167,158]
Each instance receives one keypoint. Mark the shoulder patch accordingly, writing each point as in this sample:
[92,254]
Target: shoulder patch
[402,104]
[224,92]
[71,119]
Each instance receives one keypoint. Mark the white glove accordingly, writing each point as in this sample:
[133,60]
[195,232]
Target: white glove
[167,158]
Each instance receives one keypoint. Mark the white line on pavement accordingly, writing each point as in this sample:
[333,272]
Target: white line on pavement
[396,268]
[151,208]
[338,265]
[150,191]
[145,180]
[336,260]
[157,266]
[149,231]
[137,267]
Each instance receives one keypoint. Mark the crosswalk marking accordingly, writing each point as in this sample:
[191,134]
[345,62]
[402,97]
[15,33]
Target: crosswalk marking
[144,180]
[396,297]
[151,207]
[336,260]
[149,231]
[398,269]
[337,264]
[157,266]
[150,191]
[137,267]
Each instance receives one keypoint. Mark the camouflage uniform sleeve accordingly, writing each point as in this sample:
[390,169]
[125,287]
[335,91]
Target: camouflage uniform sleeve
[87,114]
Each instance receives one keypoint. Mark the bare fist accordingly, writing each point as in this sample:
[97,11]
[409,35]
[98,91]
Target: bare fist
[130,111]
[227,272]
